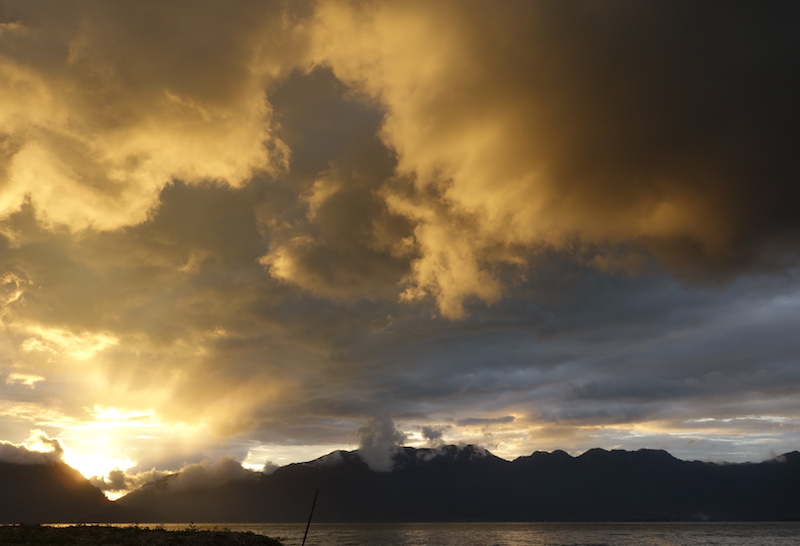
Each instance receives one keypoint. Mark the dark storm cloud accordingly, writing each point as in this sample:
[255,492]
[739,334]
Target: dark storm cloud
[339,241]
[667,127]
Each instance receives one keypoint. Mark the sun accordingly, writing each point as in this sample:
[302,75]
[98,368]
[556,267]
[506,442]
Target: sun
[97,463]
[92,455]
[102,444]
[120,438]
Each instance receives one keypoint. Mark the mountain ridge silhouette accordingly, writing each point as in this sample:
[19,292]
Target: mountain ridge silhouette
[451,483]
[468,483]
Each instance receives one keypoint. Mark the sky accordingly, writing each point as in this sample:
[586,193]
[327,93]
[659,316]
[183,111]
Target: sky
[254,232]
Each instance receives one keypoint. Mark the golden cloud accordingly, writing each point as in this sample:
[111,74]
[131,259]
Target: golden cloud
[105,104]
[518,126]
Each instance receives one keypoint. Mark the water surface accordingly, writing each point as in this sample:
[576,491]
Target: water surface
[523,534]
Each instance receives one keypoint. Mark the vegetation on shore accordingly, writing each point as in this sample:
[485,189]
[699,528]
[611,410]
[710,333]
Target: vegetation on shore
[107,535]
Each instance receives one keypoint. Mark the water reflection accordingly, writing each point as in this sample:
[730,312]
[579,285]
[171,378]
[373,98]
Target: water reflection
[524,534]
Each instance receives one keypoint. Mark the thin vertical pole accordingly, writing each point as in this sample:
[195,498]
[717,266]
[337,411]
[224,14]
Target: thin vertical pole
[310,515]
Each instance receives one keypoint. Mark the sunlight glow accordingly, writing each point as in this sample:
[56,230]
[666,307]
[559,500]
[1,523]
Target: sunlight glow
[98,462]
[112,439]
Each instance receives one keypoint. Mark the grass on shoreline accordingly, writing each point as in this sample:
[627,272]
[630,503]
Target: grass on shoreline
[106,535]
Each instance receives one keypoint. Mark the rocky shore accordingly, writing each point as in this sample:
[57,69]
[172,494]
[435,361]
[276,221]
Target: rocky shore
[106,535]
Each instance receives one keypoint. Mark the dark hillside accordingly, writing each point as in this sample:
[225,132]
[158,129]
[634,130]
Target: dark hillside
[470,484]
[50,493]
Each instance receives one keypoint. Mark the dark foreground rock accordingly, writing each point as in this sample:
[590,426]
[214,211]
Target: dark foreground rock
[105,535]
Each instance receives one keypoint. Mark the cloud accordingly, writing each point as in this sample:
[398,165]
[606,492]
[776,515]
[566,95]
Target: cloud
[116,480]
[119,482]
[378,440]
[340,240]
[209,474]
[107,103]
[576,127]
[13,288]
[204,475]
[181,304]
[39,448]
[12,453]
[29,380]
[269,468]
[484,421]
[432,434]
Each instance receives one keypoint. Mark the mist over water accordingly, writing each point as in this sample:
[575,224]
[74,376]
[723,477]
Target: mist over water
[519,534]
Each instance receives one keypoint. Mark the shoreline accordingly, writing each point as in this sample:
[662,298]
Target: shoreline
[133,535]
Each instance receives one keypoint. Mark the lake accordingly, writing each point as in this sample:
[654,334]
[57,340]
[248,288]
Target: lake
[519,534]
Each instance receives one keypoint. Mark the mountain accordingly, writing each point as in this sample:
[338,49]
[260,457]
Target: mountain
[447,484]
[51,493]
[470,484]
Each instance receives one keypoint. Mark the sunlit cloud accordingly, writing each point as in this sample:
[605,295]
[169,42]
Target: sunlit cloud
[13,288]
[40,442]
[92,143]
[28,380]
[76,346]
